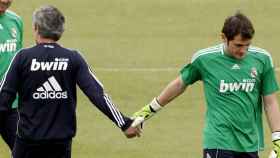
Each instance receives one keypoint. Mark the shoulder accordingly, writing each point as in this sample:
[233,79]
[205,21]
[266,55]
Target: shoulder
[258,51]
[76,55]
[208,52]
[260,54]
[13,15]
[74,52]
[25,51]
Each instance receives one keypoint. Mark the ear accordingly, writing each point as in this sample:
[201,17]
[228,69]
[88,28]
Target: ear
[224,38]
[34,28]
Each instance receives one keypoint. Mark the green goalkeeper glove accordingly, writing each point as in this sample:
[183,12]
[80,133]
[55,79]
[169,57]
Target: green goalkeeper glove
[145,113]
[275,153]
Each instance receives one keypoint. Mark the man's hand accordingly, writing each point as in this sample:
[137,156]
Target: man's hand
[132,132]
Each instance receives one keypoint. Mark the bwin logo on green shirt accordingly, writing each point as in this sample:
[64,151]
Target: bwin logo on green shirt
[246,86]
[8,46]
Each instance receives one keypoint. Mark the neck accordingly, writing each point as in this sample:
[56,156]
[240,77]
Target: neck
[225,48]
[40,40]
[226,52]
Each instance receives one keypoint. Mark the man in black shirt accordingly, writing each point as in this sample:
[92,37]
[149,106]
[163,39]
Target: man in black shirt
[45,77]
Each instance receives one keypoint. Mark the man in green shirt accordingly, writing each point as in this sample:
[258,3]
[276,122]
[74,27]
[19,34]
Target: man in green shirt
[239,80]
[11,28]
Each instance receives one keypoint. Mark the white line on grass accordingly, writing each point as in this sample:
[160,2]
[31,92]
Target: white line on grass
[169,69]
[136,69]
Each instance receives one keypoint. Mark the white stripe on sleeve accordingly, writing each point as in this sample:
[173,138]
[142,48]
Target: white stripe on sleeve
[4,77]
[114,111]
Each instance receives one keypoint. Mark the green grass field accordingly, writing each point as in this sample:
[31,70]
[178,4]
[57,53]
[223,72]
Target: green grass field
[131,44]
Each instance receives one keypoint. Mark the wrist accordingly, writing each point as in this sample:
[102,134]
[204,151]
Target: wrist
[127,124]
[275,136]
[154,105]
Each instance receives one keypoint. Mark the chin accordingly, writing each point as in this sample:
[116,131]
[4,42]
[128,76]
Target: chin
[240,57]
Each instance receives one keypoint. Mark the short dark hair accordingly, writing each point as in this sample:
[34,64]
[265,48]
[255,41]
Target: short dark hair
[238,24]
[49,21]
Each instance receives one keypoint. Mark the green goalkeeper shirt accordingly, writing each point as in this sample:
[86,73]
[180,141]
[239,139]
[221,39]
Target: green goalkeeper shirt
[11,28]
[233,90]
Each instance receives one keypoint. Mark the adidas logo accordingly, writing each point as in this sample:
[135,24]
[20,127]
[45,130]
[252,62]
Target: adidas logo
[50,90]
[235,67]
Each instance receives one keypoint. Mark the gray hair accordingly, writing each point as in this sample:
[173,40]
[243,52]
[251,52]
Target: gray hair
[49,22]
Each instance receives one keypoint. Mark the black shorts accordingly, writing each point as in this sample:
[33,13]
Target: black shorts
[39,149]
[8,127]
[218,153]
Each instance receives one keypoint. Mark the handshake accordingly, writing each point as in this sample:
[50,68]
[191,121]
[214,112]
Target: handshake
[149,110]
[140,116]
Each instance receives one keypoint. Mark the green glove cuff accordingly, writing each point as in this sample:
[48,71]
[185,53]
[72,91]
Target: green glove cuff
[145,112]
[149,110]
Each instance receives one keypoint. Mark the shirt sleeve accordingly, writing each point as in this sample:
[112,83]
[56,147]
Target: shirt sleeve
[93,89]
[269,81]
[9,84]
[190,74]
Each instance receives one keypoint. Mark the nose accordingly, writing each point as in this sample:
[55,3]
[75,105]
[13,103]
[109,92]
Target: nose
[243,49]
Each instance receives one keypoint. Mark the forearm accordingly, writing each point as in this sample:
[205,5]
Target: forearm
[272,112]
[103,102]
[93,89]
[172,90]
[273,117]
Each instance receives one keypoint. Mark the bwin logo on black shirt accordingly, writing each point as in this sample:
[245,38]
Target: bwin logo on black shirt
[57,64]
[50,90]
